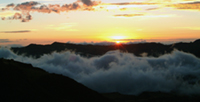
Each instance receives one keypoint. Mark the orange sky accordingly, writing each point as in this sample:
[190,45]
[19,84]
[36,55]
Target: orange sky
[86,21]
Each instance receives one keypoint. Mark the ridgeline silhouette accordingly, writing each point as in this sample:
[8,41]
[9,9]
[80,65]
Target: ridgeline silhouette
[21,82]
[152,49]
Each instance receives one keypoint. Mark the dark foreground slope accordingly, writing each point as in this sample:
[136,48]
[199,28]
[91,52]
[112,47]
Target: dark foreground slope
[153,49]
[23,83]
[153,97]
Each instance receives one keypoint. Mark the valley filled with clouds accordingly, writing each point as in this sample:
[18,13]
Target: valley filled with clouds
[122,72]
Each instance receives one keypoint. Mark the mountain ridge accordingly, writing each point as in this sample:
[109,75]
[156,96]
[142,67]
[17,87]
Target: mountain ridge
[152,48]
[23,82]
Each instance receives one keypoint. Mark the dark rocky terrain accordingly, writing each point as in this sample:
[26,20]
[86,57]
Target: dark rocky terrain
[153,97]
[153,49]
[21,82]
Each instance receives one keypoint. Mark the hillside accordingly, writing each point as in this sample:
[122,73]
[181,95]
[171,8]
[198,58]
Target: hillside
[153,97]
[153,49]
[21,82]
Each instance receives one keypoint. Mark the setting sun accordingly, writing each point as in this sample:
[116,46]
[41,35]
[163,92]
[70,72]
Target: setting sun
[118,42]
[118,39]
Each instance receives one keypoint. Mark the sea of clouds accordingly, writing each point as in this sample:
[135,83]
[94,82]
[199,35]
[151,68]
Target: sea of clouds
[122,72]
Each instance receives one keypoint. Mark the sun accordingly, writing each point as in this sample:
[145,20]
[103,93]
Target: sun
[118,42]
[118,39]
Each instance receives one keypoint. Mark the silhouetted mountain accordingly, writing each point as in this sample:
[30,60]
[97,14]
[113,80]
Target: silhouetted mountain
[153,49]
[152,97]
[23,83]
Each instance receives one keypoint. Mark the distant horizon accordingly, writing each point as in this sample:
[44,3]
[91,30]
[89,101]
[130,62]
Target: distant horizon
[26,42]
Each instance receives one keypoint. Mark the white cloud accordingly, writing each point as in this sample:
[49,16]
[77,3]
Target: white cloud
[123,72]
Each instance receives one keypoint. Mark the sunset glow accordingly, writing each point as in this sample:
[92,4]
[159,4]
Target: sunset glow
[117,42]
[97,50]
[98,20]
[118,37]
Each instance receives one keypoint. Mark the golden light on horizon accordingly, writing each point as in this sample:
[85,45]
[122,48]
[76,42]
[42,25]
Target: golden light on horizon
[141,21]
[118,37]
[118,42]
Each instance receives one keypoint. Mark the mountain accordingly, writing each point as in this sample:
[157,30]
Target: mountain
[153,97]
[21,82]
[152,49]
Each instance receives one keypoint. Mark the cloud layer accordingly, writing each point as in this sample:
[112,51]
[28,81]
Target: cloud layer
[4,40]
[123,72]
[21,31]
[32,6]
[187,6]
[24,9]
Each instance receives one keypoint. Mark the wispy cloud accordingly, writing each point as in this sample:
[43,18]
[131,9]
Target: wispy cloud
[178,4]
[10,5]
[128,15]
[190,28]
[63,27]
[21,31]
[187,6]
[155,8]
[130,3]
[23,11]
[4,40]
[143,15]
[171,1]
